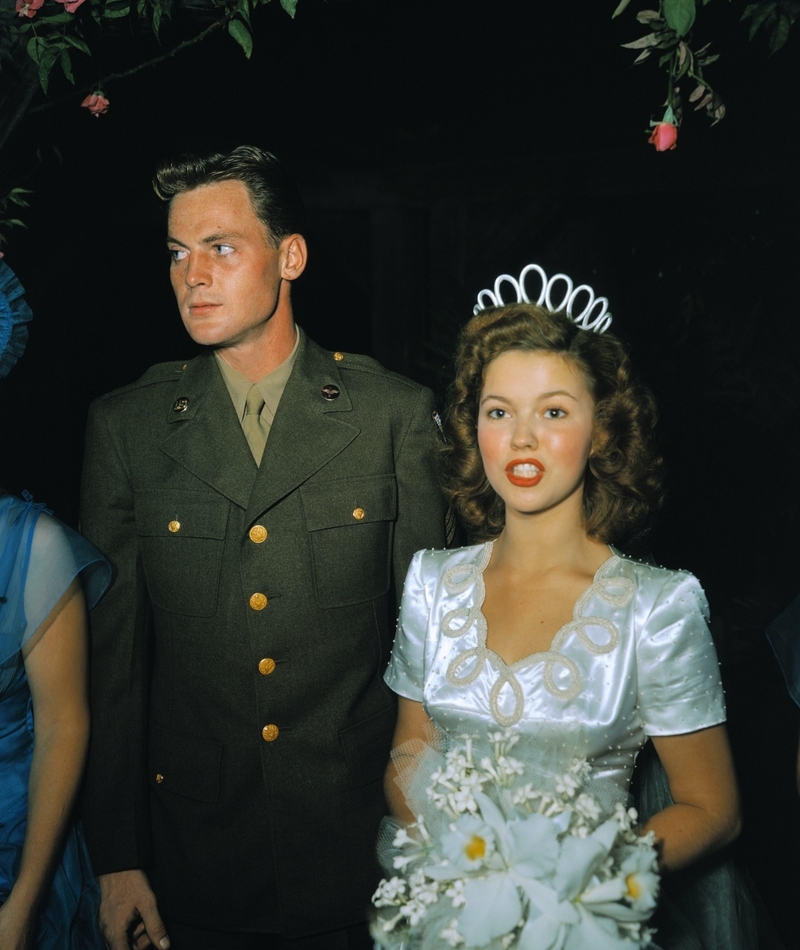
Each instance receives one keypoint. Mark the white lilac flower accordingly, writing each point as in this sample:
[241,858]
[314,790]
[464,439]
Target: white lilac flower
[390,893]
[456,893]
[450,934]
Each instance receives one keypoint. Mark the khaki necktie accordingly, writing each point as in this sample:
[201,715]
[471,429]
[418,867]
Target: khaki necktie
[254,427]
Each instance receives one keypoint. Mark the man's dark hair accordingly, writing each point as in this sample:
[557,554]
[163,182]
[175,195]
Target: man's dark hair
[273,193]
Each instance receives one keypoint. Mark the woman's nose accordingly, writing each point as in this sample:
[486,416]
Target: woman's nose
[523,435]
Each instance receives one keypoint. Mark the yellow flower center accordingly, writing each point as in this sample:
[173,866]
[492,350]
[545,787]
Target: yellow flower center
[475,848]
[633,885]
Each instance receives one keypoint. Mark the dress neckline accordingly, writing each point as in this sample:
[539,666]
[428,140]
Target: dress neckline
[458,621]
[577,607]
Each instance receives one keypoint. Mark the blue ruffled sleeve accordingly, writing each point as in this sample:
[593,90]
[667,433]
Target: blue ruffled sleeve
[39,559]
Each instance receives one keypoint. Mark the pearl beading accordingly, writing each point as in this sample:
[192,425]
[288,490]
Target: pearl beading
[615,591]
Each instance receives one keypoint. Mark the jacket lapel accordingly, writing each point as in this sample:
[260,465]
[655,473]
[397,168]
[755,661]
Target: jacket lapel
[206,438]
[308,430]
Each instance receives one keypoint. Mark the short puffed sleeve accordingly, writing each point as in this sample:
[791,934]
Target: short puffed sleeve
[680,689]
[39,560]
[405,674]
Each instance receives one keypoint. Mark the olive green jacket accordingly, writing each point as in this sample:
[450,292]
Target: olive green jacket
[241,726]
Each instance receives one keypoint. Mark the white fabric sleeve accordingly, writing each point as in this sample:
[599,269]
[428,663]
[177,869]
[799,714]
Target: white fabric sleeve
[680,689]
[405,674]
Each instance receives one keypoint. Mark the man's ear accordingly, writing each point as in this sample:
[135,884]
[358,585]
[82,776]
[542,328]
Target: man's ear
[294,254]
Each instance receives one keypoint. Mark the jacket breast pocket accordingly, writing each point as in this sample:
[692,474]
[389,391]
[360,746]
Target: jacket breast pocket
[182,536]
[351,523]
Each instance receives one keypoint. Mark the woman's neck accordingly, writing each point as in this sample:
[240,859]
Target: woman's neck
[548,540]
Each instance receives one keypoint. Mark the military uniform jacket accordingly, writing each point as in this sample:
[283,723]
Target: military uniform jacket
[241,726]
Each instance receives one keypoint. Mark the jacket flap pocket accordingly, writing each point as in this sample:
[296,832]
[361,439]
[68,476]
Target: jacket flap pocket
[366,746]
[187,514]
[185,764]
[349,501]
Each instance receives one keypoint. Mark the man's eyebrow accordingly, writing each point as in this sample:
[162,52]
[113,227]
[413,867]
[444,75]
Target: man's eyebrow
[218,238]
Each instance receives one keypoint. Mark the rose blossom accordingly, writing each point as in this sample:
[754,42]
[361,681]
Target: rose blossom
[664,137]
[28,7]
[70,5]
[96,103]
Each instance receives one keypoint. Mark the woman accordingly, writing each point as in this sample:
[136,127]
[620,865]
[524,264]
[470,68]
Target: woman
[550,461]
[48,896]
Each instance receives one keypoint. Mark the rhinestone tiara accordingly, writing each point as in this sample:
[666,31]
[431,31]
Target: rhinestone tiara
[588,319]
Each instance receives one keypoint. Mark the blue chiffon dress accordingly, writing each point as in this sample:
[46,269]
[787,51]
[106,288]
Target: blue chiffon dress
[39,559]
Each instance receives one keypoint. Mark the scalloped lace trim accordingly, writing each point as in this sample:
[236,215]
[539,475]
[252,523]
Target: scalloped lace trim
[615,591]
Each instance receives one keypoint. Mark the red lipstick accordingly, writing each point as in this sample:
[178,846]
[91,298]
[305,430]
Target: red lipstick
[528,479]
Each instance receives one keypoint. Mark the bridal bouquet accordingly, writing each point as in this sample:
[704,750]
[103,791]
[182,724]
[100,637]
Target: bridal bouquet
[495,861]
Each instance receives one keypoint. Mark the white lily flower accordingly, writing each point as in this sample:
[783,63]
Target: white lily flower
[469,843]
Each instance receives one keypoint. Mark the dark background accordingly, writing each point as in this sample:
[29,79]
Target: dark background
[439,144]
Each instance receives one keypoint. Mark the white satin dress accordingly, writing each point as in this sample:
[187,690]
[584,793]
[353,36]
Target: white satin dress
[636,660]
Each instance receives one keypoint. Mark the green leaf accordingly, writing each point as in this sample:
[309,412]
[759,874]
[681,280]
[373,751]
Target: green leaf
[35,49]
[156,19]
[78,43]
[241,34]
[290,6]
[780,33]
[57,18]
[679,14]
[620,8]
[16,221]
[66,65]
[243,9]
[114,13]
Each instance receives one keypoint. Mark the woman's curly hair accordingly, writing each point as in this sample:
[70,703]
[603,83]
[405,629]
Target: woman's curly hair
[624,482]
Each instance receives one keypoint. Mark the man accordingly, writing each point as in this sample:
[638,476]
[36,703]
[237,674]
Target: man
[241,725]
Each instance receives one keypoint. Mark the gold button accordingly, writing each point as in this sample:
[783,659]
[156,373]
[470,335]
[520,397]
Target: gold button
[258,533]
[258,601]
[174,526]
[159,778]
[358,513]
[266,666]
[338,356]
[270,732]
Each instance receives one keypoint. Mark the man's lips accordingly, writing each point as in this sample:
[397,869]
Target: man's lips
[525,472]
[199,307]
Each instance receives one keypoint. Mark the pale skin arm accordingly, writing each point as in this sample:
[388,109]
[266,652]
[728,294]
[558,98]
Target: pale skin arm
[706,814]
[412,723]
[55,663]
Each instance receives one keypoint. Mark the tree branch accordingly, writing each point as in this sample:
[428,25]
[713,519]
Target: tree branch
[113,77]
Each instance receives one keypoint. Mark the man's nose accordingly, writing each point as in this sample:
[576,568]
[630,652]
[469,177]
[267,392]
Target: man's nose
[196,271]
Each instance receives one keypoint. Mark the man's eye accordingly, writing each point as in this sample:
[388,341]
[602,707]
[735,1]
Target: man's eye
[223,248]
[177,253]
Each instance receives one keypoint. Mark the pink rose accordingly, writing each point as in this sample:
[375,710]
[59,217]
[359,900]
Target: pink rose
[70,5]
[96,103]
[28,7]
[665,136]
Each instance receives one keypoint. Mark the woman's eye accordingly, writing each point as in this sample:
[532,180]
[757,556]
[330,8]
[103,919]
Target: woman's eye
[554,413]
[497,414]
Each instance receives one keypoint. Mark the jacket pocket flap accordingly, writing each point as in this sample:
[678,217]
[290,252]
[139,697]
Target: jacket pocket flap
[188,514]
[185,764]
[349,501]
